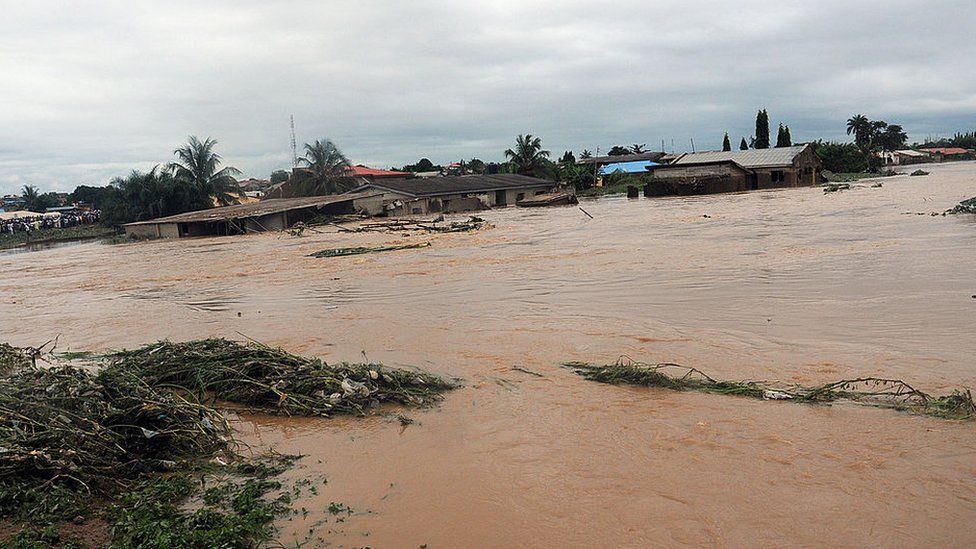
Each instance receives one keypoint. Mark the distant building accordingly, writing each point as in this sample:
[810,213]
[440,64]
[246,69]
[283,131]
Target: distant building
[454,194]
[904,157]
[729,171]
[944,154]
[266,215]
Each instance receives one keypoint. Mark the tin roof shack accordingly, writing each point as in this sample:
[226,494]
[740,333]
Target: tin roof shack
[274,214]
[298,183]
[730,171]
[454,194]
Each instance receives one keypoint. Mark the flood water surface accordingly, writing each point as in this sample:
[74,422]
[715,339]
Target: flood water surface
[793,285]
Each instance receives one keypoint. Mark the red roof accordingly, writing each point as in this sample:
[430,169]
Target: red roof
[363,171]
[945,151]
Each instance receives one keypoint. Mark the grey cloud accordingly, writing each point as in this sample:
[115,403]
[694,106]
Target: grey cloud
[92,90]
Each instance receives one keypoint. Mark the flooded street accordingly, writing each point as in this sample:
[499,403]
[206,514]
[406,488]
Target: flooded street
[793,285]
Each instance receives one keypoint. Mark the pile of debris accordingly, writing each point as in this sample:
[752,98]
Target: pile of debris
[275,381]
[835,187]
[917,173]
[473,223]
[966,206]
[340,252]
[130,436]
[886,393]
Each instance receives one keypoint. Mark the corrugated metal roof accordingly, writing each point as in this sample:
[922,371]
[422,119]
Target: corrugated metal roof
[437,186]
[256,209]
[753,158]
[638,166]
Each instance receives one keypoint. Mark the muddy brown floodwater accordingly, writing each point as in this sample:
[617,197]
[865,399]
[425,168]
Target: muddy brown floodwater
[792,285]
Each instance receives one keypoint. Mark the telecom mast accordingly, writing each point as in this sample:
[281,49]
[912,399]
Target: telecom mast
[294,147]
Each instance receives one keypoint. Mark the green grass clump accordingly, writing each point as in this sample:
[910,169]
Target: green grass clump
[887,393]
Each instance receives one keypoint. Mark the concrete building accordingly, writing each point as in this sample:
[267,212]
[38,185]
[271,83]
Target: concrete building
[454,194]
[904,157]
[267,215]
[730,171]
[944,154]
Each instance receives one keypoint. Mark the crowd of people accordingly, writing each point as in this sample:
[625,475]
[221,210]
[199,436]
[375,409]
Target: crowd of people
[48,221]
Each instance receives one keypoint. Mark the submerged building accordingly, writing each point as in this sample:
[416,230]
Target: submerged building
[730,171]
[454,194]
[274,214]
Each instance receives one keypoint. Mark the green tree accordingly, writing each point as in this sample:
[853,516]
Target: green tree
[783,138]
[278,176]
[726,143]
[568,156]
[476,166]
[891,138]
[98,197]
[743,146]
[528,156]
[30,194]
[327,169]
[142,196]
[199,166]
[618,150]
[579,176]
[860,127]
[638,148]
[762,130]
[586,154]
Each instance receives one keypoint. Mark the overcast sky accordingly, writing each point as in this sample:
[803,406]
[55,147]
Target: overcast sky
[92,90]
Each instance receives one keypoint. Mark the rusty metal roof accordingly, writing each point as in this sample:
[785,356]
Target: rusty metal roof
[256,209]
[441,186]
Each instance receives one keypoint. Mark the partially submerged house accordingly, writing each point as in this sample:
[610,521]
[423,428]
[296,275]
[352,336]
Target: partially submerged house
[453,194]
[904,157]
[274,214]
[730,171]
[944,154]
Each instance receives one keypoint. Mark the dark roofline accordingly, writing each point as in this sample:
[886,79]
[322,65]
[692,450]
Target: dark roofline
[653,156]
[254,209]
[702,163]
[501,185]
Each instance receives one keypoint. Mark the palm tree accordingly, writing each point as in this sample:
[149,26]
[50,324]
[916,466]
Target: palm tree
[860,127]
[638,148]
[529,157]
[199,166]
[29,194]
[328,169]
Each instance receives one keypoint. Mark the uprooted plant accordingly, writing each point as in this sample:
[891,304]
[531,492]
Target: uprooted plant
[887,393]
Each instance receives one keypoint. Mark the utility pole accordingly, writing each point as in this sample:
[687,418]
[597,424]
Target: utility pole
[294,146]
[692,144]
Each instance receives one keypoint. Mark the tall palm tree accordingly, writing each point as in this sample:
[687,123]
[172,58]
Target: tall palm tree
[528,157]
[860,127]
[29,193]
[199,166]
[328,169]
[638,148]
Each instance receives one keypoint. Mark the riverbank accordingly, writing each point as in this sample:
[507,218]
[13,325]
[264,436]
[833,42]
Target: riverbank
[52,235]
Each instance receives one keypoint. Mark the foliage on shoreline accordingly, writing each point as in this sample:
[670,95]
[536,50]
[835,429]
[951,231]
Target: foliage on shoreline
[130,444]
[885,393]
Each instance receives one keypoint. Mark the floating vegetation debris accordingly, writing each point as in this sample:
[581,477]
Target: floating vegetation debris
[126,441]
[886,393]
[275,381]
[966,206]
[917,173]
[340,252]
[473,223]
[835,187]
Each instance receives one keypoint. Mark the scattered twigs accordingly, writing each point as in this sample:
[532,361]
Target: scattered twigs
[887,393]
[526,371]
[340,252]
[431,226]
[586,212]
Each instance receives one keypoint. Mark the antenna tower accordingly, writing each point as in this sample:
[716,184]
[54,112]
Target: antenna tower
[294,147]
